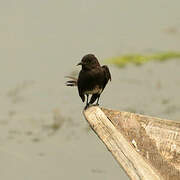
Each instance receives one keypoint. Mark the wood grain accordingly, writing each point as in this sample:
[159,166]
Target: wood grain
[147,148]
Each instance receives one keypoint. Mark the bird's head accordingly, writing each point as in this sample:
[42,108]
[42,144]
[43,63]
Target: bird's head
[89,61]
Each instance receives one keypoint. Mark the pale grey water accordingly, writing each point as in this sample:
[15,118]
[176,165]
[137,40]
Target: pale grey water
[41,42]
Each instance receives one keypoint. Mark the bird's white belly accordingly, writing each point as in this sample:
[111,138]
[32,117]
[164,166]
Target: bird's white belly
[95,90]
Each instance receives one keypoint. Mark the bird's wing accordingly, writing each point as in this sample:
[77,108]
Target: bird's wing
[80,86]
[107,73]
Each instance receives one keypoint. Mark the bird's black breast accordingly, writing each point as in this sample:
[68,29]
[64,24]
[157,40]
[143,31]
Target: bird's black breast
[90,80]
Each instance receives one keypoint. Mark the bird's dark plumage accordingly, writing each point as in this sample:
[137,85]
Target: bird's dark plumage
[92,78]
[72,82]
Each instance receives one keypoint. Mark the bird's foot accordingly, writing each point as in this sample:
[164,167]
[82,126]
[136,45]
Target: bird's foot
[87,105]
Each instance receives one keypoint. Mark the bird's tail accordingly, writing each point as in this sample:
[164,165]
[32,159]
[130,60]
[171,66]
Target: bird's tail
[72,82]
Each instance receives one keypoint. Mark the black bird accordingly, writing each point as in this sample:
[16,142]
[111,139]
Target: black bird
[92,79]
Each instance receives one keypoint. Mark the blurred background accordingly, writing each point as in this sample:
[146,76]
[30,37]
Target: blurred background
[43,134]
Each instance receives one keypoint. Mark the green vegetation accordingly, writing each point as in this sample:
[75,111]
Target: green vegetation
[139,59]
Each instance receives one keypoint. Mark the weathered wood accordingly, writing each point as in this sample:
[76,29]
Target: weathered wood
[147,148]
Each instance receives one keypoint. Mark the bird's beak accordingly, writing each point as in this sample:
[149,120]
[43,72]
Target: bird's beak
[79,64]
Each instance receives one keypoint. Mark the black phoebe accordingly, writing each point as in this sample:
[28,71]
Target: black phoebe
[92,79]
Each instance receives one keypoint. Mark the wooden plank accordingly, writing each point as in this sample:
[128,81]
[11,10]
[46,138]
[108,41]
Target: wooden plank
[147,148]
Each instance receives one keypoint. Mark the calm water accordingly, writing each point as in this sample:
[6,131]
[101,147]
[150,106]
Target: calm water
[43,134]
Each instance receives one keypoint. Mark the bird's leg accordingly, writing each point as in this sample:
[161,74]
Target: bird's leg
[97,103]
[87,104]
